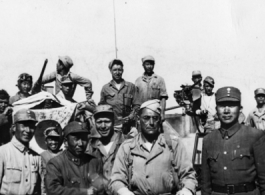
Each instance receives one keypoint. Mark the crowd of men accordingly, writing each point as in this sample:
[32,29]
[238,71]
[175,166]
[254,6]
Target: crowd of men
[125,148]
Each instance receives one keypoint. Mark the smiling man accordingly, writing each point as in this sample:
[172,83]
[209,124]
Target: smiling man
[231,160]
[152,162]
[256,117]
[21,169]
[73,171]
[122,96]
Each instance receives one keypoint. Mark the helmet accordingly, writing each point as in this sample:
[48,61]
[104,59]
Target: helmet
[24,77]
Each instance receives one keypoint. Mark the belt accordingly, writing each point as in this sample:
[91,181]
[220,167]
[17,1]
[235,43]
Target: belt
[232,189]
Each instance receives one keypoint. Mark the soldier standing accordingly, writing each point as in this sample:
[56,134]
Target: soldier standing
[232,157]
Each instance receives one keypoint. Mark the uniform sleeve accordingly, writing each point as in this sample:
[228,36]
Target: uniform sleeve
[120,171]
[49,78]
[249,121]
[183,168]
[102,97]
[259,155]
[2,160]
[84,82]
[42,176]
[163,89]
[206,176]
[55,184]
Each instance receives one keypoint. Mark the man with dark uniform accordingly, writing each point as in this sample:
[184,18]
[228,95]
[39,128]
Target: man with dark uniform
[233,156]
[73,172]
[122,96]
[256,117]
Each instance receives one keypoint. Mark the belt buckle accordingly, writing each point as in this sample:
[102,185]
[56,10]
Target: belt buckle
[230,189]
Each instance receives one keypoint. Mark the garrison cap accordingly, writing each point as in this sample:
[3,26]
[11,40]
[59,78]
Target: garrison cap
[196,73]
[148,58]
[67,61]
[75,127]
[153,105]
[209,80]
[259,91]
[66,80]
[103,108]
[115,61]
[24,115]
[228,94]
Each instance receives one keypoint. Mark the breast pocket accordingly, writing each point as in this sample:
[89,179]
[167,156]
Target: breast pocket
[212,160]
[13,174]
[110,96]
[127,99]
[75,182]
[241,159]
[155,94]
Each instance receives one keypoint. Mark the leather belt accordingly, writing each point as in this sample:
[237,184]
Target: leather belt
[232,189]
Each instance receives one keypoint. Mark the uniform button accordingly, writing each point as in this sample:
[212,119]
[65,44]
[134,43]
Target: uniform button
[148,190]
[225,168]
[241,155]
[25,166]
[225,152]
[26,180]
[147,176]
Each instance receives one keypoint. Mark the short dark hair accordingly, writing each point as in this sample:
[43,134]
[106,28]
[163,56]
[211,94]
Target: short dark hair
[4,94]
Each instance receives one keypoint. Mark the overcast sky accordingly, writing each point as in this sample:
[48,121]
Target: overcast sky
[224,39]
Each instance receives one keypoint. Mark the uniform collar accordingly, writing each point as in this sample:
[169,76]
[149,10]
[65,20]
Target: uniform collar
[113,83]
[21,147]
[160,140]
[257,113]
[146,78]
[77,160]
[230,132]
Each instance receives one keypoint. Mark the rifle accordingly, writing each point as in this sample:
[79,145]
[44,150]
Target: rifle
[37,86]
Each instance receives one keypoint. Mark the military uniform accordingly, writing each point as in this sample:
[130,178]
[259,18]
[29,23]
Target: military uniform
[230,157]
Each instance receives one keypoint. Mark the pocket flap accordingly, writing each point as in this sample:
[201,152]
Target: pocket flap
[240,153]
[126,95]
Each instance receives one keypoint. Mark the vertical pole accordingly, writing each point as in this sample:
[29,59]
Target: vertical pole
[116,50]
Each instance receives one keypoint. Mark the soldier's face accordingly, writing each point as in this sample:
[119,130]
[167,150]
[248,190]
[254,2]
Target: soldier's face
[208,88]
[77,143]
[260,99]
[52,143]
[67,88]
[150,122]
[59,66]
[148,66]
[196,78]
[116,72]
[104,126]
[25,86]
[24,131]
[3,105]
[228,112]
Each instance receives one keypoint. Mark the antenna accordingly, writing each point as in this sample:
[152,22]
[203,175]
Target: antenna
[116,49]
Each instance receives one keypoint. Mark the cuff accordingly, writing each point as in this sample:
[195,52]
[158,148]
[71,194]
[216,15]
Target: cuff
[123,190]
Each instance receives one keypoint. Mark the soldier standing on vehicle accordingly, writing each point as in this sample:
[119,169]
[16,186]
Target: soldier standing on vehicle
[150,85]
[24,84]
[152,162]
[256,117]
[232,157]
[122,96]
[21,170]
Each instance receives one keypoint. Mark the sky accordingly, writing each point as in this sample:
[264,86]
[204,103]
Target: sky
[222,38]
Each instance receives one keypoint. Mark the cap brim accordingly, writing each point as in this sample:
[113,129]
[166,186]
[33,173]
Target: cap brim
[33,120]
[101,112]
[228,99]
[260,94]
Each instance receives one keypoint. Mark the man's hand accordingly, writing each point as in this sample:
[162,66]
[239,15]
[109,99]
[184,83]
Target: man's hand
[124,191]
[92,191]
[8,111]
[128,118]
[184,191]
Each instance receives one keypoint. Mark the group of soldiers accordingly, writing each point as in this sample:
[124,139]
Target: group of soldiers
[128,149]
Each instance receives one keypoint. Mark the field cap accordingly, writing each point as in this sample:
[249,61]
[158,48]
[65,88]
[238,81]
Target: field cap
[51,132]
[196,73]
[67,61]
[225,94]
[259,91]
[209,80]
[115,61]
[103,108]
[75,127]
[153,105]
[24,115]
[148,58]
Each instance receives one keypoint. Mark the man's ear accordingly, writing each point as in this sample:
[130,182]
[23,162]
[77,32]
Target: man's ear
[241,109]
[13,129]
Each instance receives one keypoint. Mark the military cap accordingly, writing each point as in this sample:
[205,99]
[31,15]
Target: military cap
[259,91]
[148,58]
[209,80]
[103,108]
[115,61]
[67,61]
[75,127]
[66,80]
[153,105]
[196,73]
[45,129]
[24,115]
[228,94]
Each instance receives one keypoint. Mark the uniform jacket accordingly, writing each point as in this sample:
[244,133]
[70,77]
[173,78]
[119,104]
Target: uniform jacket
[155,172]
[256,119]
[124,100]
[69,175]
[16,98]
[5,132]
[21,170]
[151,88]
[231,159]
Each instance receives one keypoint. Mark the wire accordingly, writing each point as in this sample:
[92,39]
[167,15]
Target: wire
[116,49]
